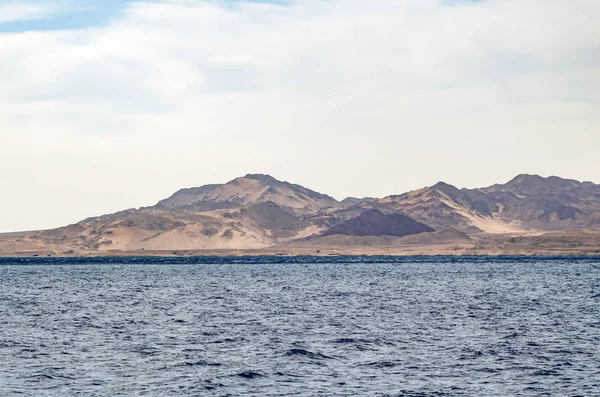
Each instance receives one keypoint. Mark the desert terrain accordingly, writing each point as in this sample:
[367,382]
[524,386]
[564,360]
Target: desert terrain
[260,215]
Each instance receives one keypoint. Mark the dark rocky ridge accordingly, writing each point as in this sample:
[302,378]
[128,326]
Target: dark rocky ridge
[375,223]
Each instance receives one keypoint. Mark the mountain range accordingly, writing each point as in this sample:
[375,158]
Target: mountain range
[258,213]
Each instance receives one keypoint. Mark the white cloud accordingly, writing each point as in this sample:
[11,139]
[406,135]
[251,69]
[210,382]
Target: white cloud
[345,96]
[16,11]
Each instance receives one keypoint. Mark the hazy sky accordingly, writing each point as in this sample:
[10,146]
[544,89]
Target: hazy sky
[107,105]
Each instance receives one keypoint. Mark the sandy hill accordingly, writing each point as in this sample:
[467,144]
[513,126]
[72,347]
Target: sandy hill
[255,226]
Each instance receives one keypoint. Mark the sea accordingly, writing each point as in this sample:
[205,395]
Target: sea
[300,326]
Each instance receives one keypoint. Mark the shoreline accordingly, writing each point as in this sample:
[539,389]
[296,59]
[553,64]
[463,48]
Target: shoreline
[255,254]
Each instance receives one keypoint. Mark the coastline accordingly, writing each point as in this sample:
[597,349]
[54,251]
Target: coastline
[270,253]
[566,243]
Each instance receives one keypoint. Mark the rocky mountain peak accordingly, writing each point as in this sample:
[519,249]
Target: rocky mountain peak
[262,178]
[248,190]
[447,189]
[527,182]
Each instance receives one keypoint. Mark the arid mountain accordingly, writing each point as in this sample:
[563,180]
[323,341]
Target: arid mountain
[248,190]
[258,212]
[441,206]
[547,203]
[251,212]
[526,204]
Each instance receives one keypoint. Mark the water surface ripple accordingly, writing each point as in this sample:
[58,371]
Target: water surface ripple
[300,327]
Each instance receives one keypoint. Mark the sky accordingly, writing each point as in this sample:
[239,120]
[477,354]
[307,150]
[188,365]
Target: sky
[109,105]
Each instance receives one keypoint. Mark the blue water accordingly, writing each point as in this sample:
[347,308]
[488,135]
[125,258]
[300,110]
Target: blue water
[280,326]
